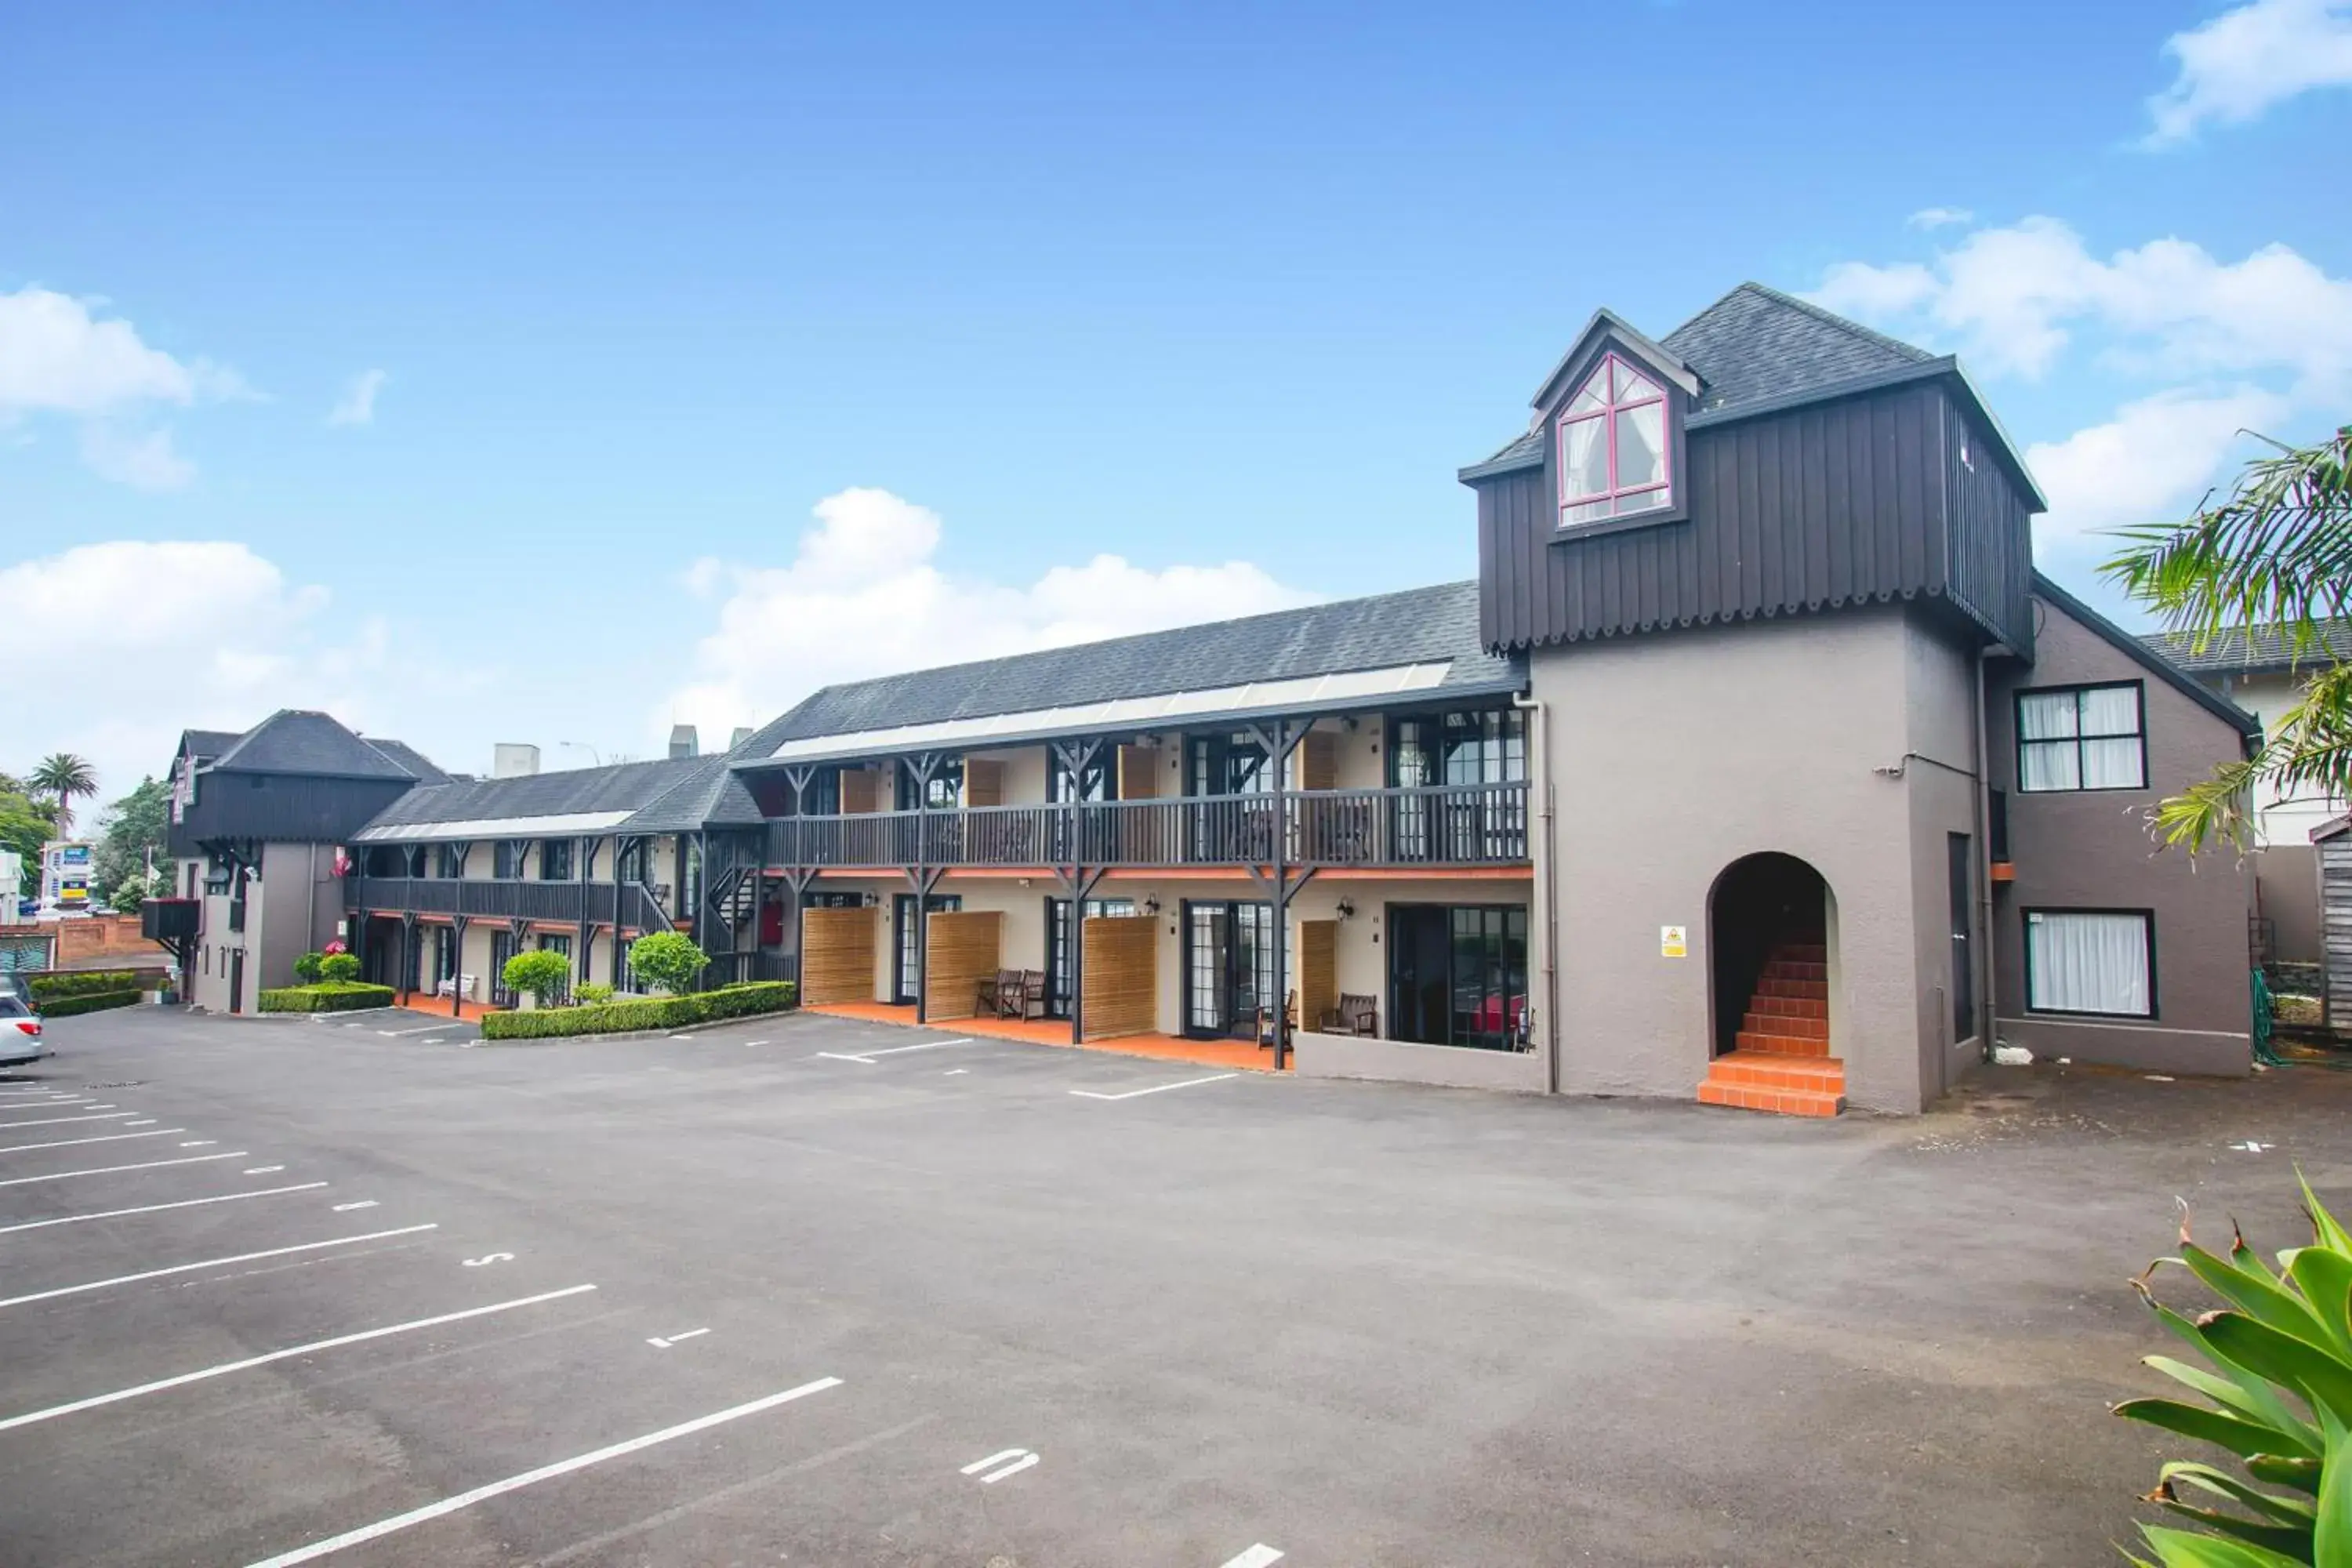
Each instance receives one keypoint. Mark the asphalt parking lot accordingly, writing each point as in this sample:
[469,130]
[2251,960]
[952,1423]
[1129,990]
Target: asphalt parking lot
[803,1291]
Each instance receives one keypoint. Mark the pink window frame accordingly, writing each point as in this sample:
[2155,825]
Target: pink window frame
[1609,408]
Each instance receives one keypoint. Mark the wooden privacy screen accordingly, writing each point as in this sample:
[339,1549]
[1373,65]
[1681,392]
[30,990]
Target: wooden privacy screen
[1121,975]
[859,792]
[1139,772]
[964,950]
[837,955]
[1319,971]
[1318,760]
[983,781]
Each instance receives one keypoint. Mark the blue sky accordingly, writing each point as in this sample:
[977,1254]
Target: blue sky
[1224,292]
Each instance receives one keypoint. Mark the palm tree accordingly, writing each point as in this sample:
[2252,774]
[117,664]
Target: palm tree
[2277,552]
[63,776]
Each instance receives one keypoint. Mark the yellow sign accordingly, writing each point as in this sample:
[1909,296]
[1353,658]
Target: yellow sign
[1673,941]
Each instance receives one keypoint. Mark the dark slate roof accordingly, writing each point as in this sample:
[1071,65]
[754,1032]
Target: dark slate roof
[2249,650]
[1759,345]
[206,745]
[618,787]
[1417,626]
[2151,659]
[296,740]
[1757,348]
[707,796]
[420,766]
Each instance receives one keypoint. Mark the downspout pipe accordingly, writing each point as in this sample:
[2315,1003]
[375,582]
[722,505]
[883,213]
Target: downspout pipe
[1988,1010]
[1547,878]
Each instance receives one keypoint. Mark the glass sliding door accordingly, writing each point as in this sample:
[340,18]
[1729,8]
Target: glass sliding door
[1458,975]
[908,969]
[1228,966]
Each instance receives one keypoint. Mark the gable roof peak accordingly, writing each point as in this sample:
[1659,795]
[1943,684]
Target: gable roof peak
[1606,322]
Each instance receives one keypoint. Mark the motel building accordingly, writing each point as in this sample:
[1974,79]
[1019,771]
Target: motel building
[1757,766]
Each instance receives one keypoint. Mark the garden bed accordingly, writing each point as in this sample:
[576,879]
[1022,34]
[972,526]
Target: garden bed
[326,997]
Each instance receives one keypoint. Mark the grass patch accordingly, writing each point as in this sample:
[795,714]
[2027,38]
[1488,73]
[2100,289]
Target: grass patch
[642,1013]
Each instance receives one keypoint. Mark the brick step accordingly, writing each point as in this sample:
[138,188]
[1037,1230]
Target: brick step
[1803,952]
[1778,1069]
[1778,1102]
[1788,1006]
[1780,1045]
[1780,1023]
[1796,969]
[1812,990]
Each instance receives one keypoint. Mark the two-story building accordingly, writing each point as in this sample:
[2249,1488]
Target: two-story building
[1756,764]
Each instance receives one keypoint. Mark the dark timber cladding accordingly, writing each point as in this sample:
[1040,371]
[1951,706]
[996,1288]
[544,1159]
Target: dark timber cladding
[1860,499]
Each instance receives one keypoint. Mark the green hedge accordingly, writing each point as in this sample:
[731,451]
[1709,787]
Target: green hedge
[86,1002]
[84,982]
[326,997]
[643,1013]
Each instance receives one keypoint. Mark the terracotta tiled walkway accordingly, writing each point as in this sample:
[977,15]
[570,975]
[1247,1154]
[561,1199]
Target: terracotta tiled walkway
[438,1007]
[1228,1054]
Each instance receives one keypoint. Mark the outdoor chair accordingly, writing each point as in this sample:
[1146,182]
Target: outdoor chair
[1265,1036]
[1354,1016]
[1000,994]
[1031,994]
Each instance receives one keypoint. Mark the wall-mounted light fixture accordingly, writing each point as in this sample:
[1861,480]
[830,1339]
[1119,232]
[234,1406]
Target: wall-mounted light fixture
[1152,906]
[1347,909]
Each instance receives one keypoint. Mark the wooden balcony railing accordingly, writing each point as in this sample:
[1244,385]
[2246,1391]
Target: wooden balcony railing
[569,902]
[1451,824]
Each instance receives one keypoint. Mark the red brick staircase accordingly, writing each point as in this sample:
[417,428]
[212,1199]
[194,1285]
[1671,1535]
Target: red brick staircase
[1782,1060]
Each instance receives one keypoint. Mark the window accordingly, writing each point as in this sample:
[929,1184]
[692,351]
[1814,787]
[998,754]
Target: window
[506,860]
[942,791]
[1614,455]
[555,859]
[630,865]
[449,862]
[2081,738]
[2091,961]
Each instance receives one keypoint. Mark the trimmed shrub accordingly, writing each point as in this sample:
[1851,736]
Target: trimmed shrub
[541,973]
[326,997]
[645,1012]
[306,969]
[593,993]
[666,961]
[86,1002]
[339,968]
[85,982]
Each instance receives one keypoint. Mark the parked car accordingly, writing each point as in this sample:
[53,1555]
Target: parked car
[20,1033]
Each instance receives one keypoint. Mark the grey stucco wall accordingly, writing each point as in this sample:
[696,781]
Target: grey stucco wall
[1401,1061]
[1942,767]
[1675,754]
[2092,850]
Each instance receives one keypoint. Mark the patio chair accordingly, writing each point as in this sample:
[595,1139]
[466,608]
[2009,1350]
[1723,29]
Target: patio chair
[1031,994]
[1289,1021]
[1354,1016]
[990,988]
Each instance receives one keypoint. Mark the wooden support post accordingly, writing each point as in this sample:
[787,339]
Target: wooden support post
[458,923]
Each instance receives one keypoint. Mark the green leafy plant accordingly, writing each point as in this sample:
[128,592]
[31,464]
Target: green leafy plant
[63,776]
[339,968]
[306,968]
[325,997]
[643,1013]
[593,993]
[2279,1397]
[90,1001]
[88,983]
[539,973]
[666,961]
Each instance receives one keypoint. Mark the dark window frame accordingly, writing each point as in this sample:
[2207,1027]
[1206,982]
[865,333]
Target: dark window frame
[2076,689]
[564,852]
[2025,938]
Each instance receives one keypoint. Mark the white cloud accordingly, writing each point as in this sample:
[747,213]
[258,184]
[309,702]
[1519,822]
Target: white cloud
[198,634]
[864,596]
[143,460]
[357,406]
[57,357]
[2242,61]
[2150,463]
[1939,217]
[2013,298]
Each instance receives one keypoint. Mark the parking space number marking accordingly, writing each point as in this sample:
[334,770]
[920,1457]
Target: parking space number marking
[490,1257]
[1011,1462]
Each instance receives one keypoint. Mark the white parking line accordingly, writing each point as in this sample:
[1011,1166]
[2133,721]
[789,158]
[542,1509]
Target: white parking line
[362,1203]
[212,1263]
[661,1345]
[1022,1459]
[264,1169]
[119,1394]
[867,1057]
[149,1121]
[54,1121]
[396,1033]
[199,1143]
[1156,1089]
[109,1138]
[544,1473]
[111,1170]
[1258,1556]
[159,1208]
[44,1103]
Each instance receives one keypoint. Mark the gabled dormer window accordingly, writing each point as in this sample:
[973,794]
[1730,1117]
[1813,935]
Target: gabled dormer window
[1615,457]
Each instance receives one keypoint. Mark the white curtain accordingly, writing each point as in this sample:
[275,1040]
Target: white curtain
[2116,764]
[2048,718]
[2087,964]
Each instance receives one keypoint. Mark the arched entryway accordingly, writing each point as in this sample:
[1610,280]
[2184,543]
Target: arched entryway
[1771,946]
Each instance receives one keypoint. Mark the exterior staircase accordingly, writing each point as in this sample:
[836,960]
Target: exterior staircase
[1782,1060]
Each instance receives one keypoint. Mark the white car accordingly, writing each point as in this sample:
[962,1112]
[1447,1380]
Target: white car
[20,1033]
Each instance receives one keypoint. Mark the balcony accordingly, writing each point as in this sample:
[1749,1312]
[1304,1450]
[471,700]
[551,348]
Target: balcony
[1448,825]
[566,902]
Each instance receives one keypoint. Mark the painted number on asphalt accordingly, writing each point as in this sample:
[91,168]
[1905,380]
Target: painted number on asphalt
[490,1257]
